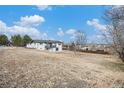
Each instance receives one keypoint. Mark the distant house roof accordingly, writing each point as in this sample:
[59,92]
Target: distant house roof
[45,41]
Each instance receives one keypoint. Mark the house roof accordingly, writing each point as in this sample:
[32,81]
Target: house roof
[45,41]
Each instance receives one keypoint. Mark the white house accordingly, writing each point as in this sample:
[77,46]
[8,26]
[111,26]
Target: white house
[50,45]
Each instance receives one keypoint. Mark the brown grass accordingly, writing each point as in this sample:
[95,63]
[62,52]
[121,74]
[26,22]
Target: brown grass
[20,67]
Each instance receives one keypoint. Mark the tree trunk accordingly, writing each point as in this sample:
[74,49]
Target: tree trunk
[121,55]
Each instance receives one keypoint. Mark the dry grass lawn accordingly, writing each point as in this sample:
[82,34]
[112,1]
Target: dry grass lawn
[21,67]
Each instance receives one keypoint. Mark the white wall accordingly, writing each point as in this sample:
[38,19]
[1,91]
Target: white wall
[59,46]
[42,46]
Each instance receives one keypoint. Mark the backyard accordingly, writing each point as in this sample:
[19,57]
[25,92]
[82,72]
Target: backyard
[21,67]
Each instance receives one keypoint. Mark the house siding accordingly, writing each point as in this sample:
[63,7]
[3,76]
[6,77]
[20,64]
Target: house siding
[52,47]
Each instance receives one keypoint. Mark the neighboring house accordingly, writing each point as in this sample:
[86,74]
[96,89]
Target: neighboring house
[101,48]
[67,47]
[51,45]
[97,47]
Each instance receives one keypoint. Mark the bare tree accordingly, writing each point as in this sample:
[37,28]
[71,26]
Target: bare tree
[79,40]
[114,33]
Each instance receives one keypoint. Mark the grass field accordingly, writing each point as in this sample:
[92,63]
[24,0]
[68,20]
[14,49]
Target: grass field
[21,67]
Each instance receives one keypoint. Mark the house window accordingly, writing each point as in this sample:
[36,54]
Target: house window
[57,49]
[50,44]
[86,49]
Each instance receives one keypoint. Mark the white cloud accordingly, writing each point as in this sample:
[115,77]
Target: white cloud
[33,32]
[34,20]
[60,32]
[44,36]
[72,32]
[95,38]
[26,25]
[96,24]
[17,29]
[2,27]
[98,37]
[44,7]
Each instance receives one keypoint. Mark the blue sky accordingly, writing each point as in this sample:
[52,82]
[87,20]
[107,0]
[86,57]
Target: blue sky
[52,22]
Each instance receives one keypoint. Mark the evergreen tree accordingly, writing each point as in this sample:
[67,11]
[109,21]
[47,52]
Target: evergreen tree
[26,40]
[3,40]
[17,40]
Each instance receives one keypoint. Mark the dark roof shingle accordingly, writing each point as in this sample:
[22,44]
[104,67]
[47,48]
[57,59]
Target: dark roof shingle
[45,41]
